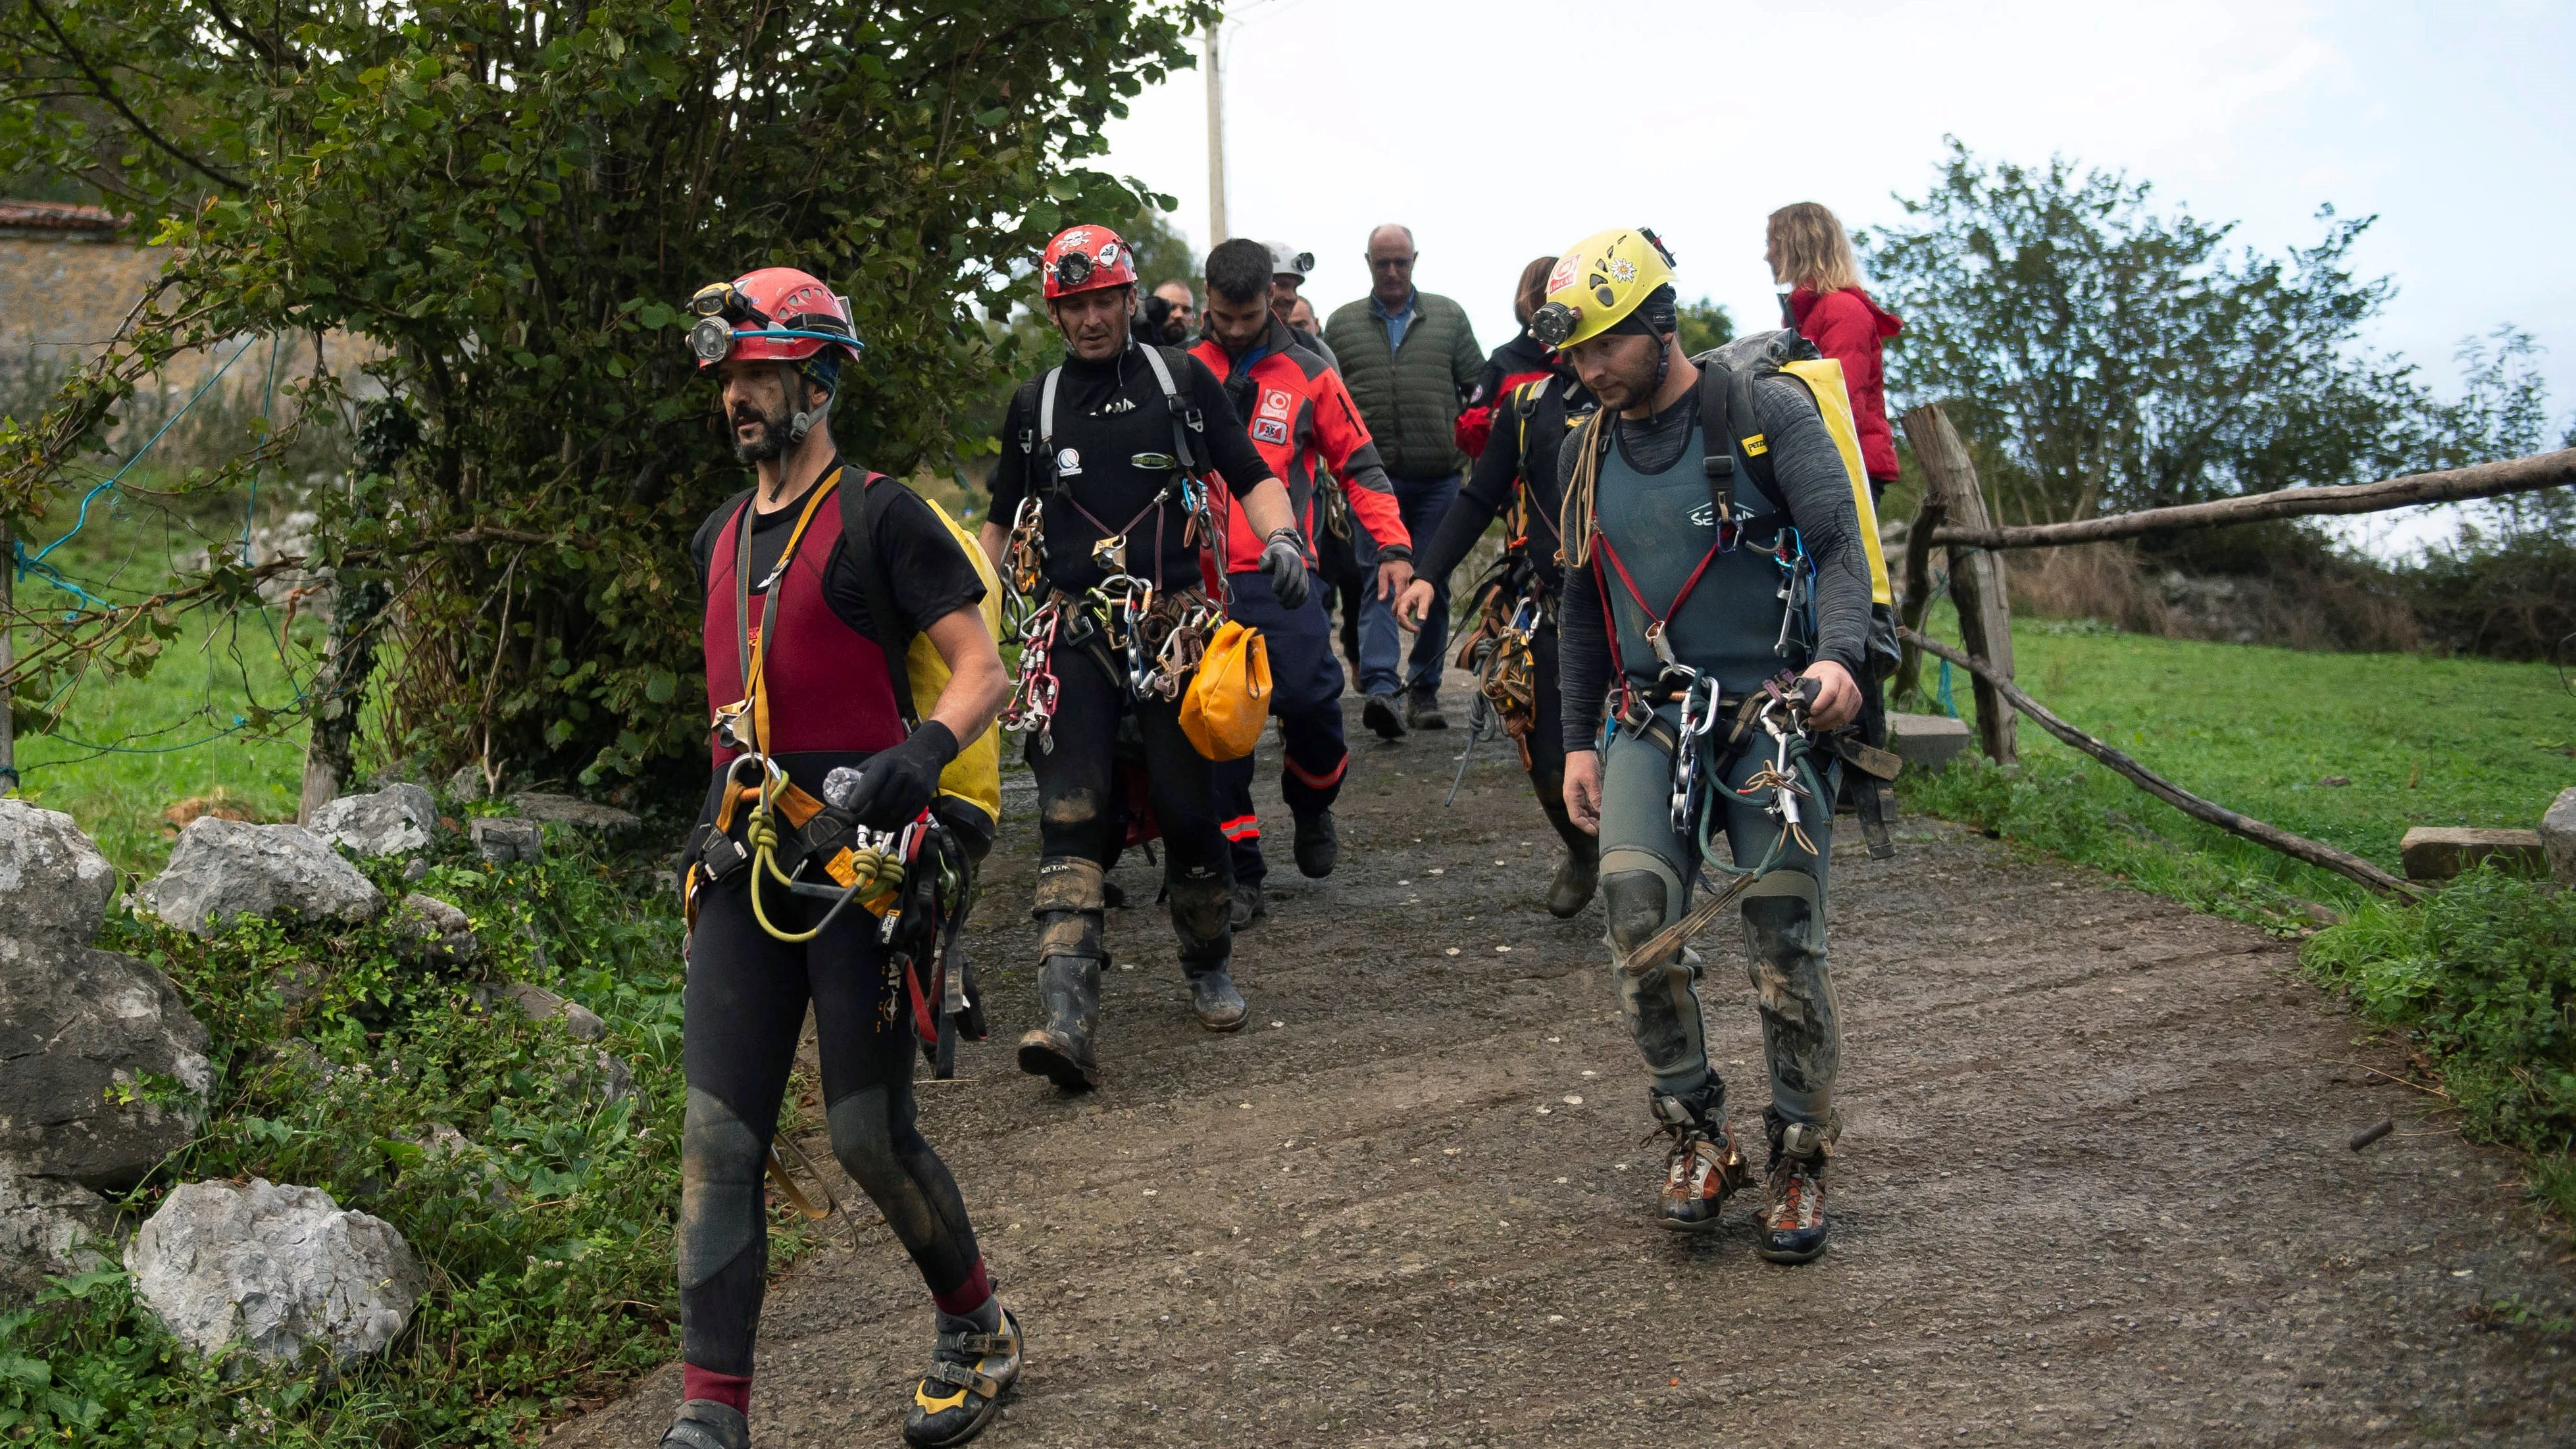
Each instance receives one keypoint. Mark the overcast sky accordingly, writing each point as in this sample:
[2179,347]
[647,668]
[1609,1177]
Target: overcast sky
[1507,129]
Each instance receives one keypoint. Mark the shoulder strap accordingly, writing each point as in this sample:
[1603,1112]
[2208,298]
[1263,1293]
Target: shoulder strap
[1185,419]
[862,508]
[1046,412]
[1726,412]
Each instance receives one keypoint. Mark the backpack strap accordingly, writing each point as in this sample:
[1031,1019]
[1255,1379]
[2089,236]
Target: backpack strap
[862,508]
[1729,422]
[1186,420]
[1046,418]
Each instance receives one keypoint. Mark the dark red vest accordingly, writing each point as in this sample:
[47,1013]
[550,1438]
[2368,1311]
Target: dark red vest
[827,682]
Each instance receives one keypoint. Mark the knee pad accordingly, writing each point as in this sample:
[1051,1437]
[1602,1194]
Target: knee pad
[1201,900]
[1639,905]
[1784,925]
[721,1165]
[864,1139]
[1068,908]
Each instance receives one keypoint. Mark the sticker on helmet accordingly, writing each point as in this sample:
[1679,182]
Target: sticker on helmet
[1563,276]
[1075,240]
[1109,255]
[1068,462]
[1622,269]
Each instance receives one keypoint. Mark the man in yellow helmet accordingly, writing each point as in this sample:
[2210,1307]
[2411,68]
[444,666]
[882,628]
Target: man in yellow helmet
[1717,597]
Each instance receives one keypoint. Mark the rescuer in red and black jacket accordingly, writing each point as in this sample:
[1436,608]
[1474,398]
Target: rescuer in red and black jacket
[1297,414]
[797,677]
[1516,478]
[1520,359]
[1114,468]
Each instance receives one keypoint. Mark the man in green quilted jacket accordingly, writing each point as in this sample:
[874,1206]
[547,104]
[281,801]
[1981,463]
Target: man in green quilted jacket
[1410,359]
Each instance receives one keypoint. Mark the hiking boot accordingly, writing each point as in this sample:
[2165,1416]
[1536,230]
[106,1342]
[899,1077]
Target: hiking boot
[963,1389]
[1793,1221]
[1575,882]
[1113,896]
[1212,995]
[1701,1168]
[706,1424]
[1379,714]
[1319,845]
[1422,709]
[1247,909]
[1060,1051]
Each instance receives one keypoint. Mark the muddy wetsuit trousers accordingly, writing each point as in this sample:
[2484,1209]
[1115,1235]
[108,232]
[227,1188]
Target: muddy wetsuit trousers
[1080,826]
[744,1008]
[1306,699]
[1645,865]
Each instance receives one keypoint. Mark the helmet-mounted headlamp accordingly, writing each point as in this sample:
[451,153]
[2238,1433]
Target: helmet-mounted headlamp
[1072,270]
[721,310]
[1553,323]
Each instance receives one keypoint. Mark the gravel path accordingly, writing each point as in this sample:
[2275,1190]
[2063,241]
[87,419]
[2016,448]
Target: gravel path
[2094,1186]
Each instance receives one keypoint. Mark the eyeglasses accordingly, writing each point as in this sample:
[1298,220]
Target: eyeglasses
[1390,264]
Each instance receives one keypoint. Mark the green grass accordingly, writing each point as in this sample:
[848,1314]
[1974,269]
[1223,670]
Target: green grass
[2480,980]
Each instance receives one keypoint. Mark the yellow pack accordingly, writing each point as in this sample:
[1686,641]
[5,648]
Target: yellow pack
[975,776]
[1824,378]
[1229,698]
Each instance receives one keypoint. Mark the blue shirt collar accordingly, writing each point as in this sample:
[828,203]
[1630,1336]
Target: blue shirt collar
[1378,309]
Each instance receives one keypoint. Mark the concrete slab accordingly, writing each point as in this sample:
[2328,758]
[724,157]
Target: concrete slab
[1927,741]
[2439,852]
[2558,836]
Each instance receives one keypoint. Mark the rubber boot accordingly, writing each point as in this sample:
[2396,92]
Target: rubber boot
[1319,845]
[1793,1220]
[1219,1006]
[1061,1051]
[706,1424]
[963,1390]
[1248,907]
[1703,1165]
[1422,709]
[1580,874]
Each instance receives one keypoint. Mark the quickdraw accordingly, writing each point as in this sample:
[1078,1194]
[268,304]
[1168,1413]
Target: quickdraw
[1033,692]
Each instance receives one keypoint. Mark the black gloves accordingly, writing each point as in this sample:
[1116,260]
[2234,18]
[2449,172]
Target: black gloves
[897,784]
[1285,558]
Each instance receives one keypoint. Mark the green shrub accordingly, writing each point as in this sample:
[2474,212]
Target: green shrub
[2482,977]
[544,1230]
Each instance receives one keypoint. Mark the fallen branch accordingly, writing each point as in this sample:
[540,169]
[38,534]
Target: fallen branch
[2323,856]
[2486,480]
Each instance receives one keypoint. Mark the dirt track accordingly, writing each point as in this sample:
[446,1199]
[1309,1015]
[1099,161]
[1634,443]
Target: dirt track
[2094,1186]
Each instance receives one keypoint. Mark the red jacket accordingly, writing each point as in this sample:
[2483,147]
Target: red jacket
[1848,327]
[1301,413]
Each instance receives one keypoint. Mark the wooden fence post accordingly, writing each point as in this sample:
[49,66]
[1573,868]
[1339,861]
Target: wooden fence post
[8,577]
[1976,576]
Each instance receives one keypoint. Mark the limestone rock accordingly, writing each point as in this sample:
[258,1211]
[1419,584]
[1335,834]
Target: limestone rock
[54,885]
[2558,836]
[49,1227]
[79,1029]
[539,1004]
[579,814]
[222,869]
[276,1268]
[431,931]
[502,841]
[1928,742]
[468,784]
[2439,852]
[397,820]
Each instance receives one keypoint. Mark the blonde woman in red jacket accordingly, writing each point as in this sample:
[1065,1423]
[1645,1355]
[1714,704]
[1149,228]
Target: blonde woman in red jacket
[1810,255]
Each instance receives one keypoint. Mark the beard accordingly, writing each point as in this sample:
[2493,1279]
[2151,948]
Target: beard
[772,440]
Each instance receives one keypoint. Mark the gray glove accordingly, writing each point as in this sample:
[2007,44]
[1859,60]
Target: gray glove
[1285,559]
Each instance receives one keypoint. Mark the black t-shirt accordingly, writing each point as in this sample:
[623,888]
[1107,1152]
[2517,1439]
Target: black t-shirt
[927,572]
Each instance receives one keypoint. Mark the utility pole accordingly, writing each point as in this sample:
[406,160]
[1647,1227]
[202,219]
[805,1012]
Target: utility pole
[1216,143]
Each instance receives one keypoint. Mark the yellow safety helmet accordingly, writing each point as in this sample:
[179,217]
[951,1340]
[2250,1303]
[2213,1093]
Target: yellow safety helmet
[1598,282]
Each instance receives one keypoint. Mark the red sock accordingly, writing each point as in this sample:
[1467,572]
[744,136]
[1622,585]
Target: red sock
[731,1390]
[966,1297]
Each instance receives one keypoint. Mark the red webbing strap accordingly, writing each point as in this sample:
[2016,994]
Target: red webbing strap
[1610,629]
[1647,609]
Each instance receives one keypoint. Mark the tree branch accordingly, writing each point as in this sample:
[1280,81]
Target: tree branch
[108,94]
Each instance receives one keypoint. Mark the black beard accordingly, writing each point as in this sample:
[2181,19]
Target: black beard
[773,438]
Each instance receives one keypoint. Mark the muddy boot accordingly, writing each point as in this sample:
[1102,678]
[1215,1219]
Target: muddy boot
[1319,845]
[963,1389]
[1793,1221]
[1379,714]
[1422,709]
[706,1424]
[1703,1165]
[1060,1051]
[1213,997]
[1580,875]
[1247,909]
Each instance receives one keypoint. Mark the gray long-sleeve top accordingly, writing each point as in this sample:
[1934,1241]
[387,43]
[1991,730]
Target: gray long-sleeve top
[1817,494]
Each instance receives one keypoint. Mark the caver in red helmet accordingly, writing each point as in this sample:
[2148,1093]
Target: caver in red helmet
[1086,259]
[776,314]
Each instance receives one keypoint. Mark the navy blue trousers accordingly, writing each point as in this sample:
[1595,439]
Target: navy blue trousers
[1306,699]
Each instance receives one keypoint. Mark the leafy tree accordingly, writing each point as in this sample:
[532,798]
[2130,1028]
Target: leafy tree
[502,205]
[1705,325]
[2113,357]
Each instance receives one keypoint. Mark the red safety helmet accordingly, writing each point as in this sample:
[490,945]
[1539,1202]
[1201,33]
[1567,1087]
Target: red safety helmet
[1086,259]
[776,314]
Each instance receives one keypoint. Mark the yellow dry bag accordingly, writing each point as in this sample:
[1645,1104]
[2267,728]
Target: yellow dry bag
[1229,697]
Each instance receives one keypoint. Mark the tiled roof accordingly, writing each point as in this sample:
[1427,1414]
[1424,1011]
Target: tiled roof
[57,216]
